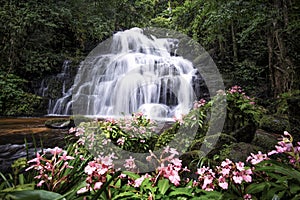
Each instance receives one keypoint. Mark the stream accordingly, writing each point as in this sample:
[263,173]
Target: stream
[17,133]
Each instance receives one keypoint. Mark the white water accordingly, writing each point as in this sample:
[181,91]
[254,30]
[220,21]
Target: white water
[136,73]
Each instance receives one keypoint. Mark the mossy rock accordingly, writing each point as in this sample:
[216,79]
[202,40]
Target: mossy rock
[245,133]
[238,151]
[190,158]
[265,140]
[274,124]
[60,123]
[214,142]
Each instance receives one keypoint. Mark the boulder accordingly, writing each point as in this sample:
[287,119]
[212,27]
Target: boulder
[238,151]
[265,140]
[274,124]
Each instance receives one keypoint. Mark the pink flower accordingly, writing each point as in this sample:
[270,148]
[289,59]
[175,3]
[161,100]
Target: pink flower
[240,166]
[89,169]
[130,164]
[173,151]
[227,162]
[225,171]
[40,183]
[237,178]
[82,190]
[222,183]
[207,183]
[247,178]
[257,158]
[65,157]
[247,197]
[139,181]
[200,103]
[56,151]
[121,141]
[176,162]
[98,185]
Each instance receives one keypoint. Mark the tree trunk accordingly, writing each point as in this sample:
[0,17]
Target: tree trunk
[234,44]
[280,66]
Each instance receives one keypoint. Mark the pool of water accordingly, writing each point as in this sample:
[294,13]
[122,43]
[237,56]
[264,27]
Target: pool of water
[22,136]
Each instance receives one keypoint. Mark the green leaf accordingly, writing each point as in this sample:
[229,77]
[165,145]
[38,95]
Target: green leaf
[131,174]
[181,192]
[163,185]
[257,187]
[34,195]
[280,168]
[124,195]
[294,188]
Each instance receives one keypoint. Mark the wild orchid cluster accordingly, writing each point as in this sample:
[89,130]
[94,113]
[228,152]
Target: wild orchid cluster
[137,128]
[97,171]
[237,90]
[200,103]
[285,145]
[167,165]
[229,172]
[79,132]
[51,170]
[137,125]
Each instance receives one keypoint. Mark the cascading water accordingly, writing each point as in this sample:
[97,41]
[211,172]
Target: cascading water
[52,85]
[132,72]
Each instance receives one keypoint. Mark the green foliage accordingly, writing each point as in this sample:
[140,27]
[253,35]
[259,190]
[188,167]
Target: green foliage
[31,195]
[13,99]
[283,181]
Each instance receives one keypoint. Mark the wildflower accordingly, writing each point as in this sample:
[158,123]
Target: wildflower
[222,182]
[51,171]
[130,164]
[237,178]
[257,158]
[240,166]
[56,151]
[97,171]
[200,103]
[121,141]
[138,182]
[98,185]
[247,197]
[206,177]
[170,172]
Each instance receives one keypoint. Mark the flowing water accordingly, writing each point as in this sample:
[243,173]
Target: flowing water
[14,132]
[129,73]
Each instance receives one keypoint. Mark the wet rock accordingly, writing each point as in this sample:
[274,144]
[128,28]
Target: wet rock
[245,133]
[274,124]
[238,151]
[215,142]
[60,123]
[265,140]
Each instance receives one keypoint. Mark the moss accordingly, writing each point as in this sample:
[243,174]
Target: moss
[215,141]
[274,124]
[264,140]
[238,151]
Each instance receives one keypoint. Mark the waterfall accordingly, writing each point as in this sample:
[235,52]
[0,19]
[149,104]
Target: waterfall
[129,73]
[54,86]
